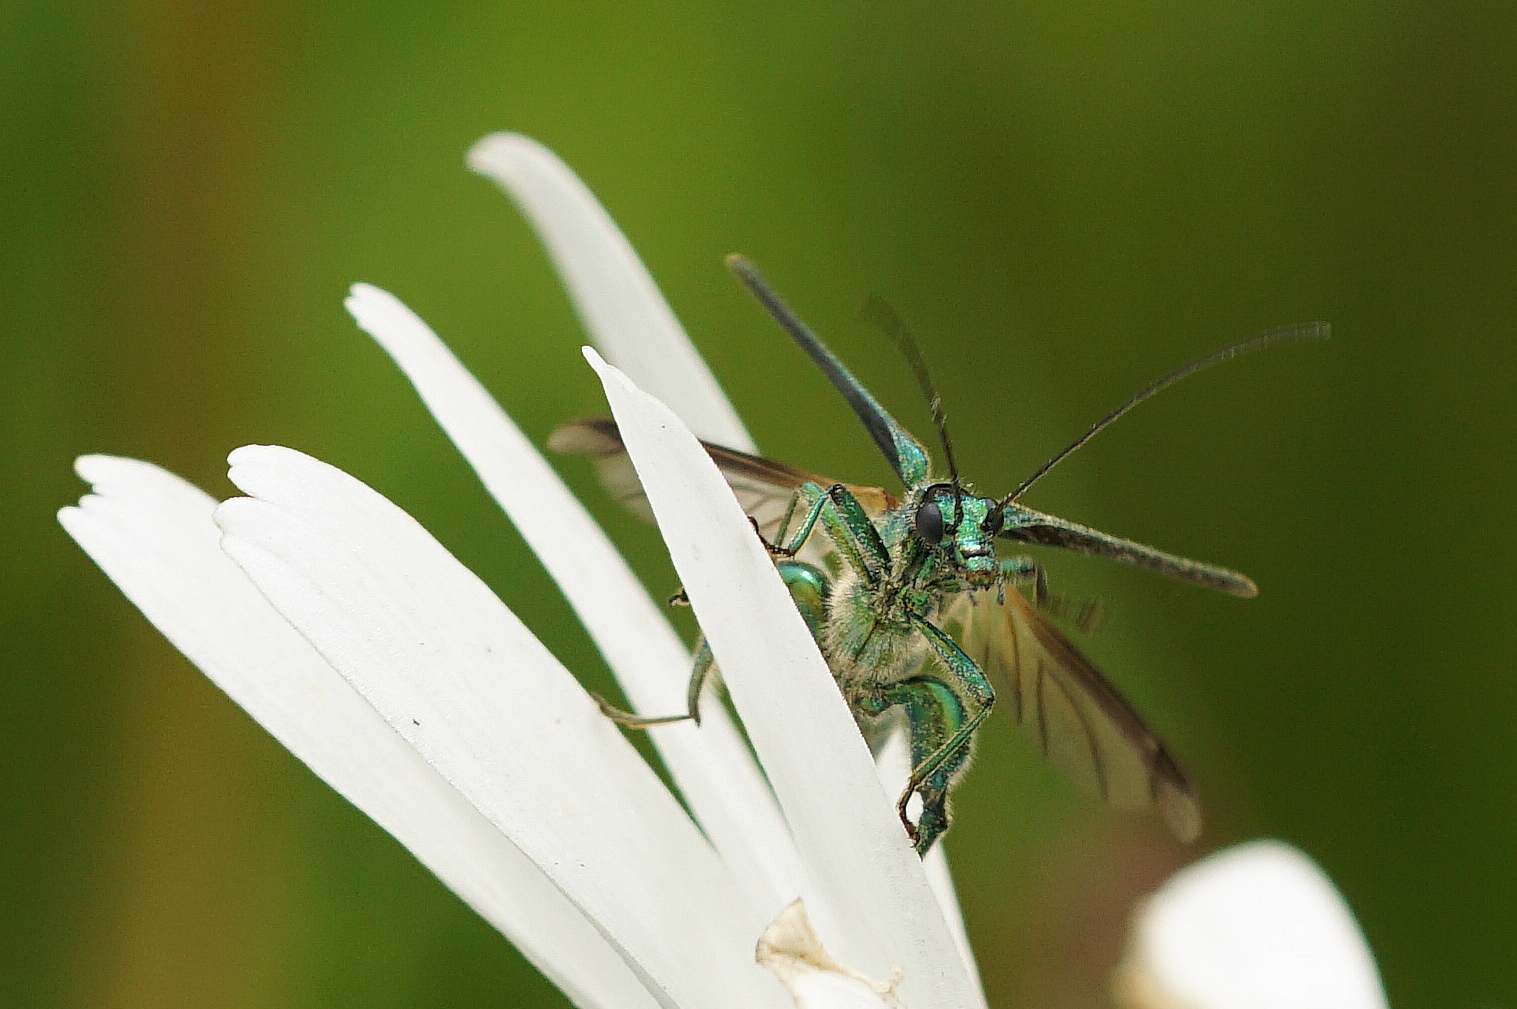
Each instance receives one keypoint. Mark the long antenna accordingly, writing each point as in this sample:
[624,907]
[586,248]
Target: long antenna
[880,313]
[1302,333]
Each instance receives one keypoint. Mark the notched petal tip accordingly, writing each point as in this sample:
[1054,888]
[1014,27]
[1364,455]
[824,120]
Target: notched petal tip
[1256,925]
[93,470]
[244,456]
[363,298]
[382,315]
[791,949]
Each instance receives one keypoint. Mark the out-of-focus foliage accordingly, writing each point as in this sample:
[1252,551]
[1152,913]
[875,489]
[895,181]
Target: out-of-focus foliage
[1064,200]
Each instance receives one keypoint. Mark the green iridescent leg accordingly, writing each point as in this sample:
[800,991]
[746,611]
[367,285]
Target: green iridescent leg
[933,716]
[847,524]
[933,773]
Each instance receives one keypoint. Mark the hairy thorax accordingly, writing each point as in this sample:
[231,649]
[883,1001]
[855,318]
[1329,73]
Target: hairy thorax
[871,637]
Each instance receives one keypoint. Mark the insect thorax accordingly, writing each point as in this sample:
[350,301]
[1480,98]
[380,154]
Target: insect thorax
[870,635]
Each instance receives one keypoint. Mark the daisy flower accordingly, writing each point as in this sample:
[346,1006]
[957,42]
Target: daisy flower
[359,642]
[379,660]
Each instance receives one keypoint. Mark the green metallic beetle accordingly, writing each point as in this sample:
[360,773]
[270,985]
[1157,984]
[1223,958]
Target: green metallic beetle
[915,612]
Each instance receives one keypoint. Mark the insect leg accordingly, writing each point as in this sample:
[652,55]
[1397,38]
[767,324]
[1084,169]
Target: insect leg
[847,524]
[808,588]
[705,664]
[784,526]
[933,714]
[971,691]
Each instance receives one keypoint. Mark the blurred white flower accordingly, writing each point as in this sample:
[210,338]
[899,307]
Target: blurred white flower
[360,643]
[1258,926]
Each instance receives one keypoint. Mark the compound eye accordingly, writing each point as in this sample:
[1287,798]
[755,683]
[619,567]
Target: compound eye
[993,522]
[929,522]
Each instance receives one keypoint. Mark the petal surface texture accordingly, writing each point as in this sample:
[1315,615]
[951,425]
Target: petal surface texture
[1258,926]
[455,673]
[153,534]
[620,305]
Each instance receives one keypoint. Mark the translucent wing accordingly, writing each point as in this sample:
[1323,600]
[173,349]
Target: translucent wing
[1079,721]
[763,487]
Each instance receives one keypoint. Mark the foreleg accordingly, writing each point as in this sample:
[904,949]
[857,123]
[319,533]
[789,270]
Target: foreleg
[847,524]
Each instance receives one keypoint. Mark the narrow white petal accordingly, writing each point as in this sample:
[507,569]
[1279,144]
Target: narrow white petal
[872,899]
[458,676]
[152,533]
[1258,926]
[791,949]
[618,301]
[893,765]
[711,763]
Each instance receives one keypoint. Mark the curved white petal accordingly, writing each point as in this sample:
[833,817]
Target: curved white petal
[620,305]
[458,676]
[1258,926]
[152,533]
[893,765]
[871,898]
[710,762]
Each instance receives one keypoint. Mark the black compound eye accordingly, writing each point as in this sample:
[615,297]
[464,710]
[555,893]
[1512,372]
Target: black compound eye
[993,522]
[929,522]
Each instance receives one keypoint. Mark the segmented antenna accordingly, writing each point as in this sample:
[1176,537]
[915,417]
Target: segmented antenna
[880,313]
[1302,333]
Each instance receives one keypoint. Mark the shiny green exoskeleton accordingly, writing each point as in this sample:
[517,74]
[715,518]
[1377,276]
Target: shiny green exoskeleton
[917,613]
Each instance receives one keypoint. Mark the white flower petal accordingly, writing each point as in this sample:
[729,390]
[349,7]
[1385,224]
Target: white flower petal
[710,762]
[893,765]
[791,949]
[1258,926]
[152,533]
[620,305]
[871,895]
[457,675]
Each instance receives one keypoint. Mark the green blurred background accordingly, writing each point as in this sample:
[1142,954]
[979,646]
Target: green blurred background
[1064,200]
